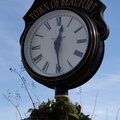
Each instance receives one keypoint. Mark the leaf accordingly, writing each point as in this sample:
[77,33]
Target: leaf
[78,107]
[30,110]
[74,115]
[34,113]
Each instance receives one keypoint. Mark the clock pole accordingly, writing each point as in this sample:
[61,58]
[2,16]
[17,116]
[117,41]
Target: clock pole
[61,93]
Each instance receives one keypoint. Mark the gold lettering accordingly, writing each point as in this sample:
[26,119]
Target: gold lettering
[89,5]
[46,6]
[85,3]
[40,9]
[31,15]
[66,2]
[57,3]
[62,2]
[71,3]
[95,4]
[75,3]
[80,3]
[54,3]
[35,13]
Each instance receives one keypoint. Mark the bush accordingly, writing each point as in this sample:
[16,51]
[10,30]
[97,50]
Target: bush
[62,109]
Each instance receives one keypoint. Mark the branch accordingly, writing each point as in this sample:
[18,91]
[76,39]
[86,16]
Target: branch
[117,114]
[95,105]
[23,81]
[80,93]
[8,97]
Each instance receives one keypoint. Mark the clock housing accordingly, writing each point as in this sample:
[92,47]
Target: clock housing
[62,45]
[45,71]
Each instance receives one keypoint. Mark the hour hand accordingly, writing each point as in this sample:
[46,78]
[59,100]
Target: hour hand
[58,40]
[57,47]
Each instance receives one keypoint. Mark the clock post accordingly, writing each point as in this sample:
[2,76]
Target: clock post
[61,93]
[62,45]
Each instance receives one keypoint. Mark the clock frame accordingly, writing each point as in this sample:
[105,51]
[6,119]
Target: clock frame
[92,14]
[83,71]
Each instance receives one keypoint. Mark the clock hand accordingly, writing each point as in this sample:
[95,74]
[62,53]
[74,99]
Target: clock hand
[59,38]
[58,66]
[57,47]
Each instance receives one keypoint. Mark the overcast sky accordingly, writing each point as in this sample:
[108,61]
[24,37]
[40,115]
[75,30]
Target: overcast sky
[105,84]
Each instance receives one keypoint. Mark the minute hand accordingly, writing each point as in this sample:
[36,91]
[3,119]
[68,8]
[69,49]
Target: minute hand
[57,46]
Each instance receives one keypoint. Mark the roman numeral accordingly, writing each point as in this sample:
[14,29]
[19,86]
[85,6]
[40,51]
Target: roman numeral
[58,20]
[36,34]
[81,41]
[69,22]
[58,68]
[45,67]
[47,25]
[69,64]
[36,47]
[38,58]
[78,53]
[78,29]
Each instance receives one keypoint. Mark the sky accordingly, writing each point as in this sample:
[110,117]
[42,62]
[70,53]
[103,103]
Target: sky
[102,91]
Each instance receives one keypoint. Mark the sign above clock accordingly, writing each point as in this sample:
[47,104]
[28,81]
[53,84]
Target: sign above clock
[86,5]
[94,9]
[62,44]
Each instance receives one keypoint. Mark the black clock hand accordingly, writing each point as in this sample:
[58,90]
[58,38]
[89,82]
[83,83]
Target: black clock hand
[57,47]
[58,66]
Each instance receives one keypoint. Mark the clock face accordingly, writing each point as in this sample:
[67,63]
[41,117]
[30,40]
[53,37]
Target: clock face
[56,43]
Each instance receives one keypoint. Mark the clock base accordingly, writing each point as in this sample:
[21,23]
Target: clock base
[61,93]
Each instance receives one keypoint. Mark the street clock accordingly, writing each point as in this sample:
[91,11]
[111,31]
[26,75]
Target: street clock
[62,45]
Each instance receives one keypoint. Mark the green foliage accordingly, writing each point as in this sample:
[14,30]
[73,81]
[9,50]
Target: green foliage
[62,109]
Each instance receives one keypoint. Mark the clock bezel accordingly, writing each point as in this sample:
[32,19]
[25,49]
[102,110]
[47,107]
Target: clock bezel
[80,68]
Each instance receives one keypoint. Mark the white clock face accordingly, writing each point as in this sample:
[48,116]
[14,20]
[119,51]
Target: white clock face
[56,43]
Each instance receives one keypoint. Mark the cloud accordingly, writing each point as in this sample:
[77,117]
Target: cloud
[100,82]
[108,99]
[103,81]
